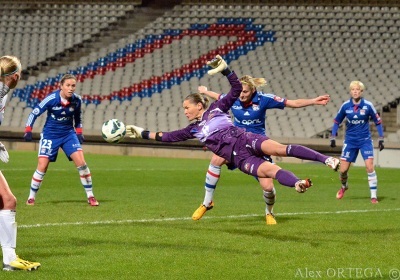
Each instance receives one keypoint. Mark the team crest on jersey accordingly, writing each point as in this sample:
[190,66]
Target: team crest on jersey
[256,107]
[278,99]
[71,109]
[362,112]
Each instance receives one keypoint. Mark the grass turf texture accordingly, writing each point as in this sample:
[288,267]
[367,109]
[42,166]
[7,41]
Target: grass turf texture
[143,228]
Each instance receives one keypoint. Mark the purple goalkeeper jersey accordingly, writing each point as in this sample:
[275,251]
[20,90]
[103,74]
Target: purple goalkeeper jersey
[215,128]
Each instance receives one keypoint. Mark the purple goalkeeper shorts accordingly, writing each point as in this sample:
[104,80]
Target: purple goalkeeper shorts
[247,154]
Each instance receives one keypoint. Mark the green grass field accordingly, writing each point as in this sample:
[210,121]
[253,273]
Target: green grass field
[143,228]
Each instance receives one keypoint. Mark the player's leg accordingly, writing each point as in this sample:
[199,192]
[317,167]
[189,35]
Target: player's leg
[212,178]
[85,176]
[349,155]
[269,170]
[8,230]
[367,151]
[269,195]
[271,147]
[372,180]
[73,150]
[343,177]
[48,151]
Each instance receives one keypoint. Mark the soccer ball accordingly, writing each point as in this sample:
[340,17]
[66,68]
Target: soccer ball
[113,131]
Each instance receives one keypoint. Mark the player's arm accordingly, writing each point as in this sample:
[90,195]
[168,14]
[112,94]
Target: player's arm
[298,103]
[78,122]
[379,127]
[336,122]
[36,112]
[134,131]
[209,93]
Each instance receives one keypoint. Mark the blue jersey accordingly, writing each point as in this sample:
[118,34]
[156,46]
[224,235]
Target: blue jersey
[61,118]
[252,117]
[358,116]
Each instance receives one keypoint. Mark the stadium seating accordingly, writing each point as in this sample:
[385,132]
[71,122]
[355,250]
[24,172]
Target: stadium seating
[302,51]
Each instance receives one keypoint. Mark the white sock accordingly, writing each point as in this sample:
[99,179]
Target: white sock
[8,235]
[86,179]
[212,178]
[36,182]
[269,198]
[373,184]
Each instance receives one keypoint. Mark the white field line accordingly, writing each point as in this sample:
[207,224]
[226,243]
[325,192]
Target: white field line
[189,218]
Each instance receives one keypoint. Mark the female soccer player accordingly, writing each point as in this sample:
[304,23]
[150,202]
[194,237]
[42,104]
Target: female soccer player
[249,112]
[358,112]
[63,129]
[10,73]
[212,125]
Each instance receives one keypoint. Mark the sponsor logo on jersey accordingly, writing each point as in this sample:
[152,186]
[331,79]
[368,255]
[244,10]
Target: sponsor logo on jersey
[57,108]
[236,107]
[250,122]
[349,111]
[246,114]
[355,117]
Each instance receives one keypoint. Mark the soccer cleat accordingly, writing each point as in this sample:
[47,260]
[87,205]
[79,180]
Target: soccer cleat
[374,200]
[333,163]
[301,186]
[270,219]
[20,264]
[340,193]
[199,213]
[30,201]
[92,201]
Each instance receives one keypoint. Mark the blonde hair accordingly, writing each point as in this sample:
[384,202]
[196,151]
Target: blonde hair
[253,83]
[357,83]
[9,65]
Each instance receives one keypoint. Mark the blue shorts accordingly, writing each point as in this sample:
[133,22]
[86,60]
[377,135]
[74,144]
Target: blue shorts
[350,150]
[48,147]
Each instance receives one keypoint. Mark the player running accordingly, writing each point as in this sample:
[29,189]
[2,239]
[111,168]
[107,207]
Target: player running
[249,112]
[358,112]
[63,129]
[212,125]
[10,73]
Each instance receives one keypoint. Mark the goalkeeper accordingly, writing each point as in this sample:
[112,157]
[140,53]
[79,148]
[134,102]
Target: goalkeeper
[249,112]
[212,125]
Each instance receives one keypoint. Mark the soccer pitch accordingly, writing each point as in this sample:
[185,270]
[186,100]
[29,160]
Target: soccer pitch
[143,228]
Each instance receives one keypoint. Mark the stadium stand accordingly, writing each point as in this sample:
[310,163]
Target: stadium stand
[302,50]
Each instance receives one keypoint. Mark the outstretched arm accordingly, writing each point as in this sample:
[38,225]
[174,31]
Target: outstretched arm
[209,93]
[298,103]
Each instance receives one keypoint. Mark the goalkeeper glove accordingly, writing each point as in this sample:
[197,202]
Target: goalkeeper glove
[3,153]
[380,144]
[28,134]
[219,65]
[134,131]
